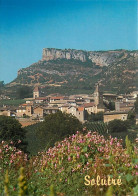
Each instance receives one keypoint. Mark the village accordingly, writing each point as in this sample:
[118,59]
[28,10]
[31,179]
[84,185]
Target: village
[36,108]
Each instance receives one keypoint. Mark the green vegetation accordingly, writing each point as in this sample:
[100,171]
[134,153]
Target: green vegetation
[24,92]
[1,84]
[54,128]
[117,126]
[68,167]
[94,117]
[11,130]
[110,105]
[136,105]
[104,129]
[11,102]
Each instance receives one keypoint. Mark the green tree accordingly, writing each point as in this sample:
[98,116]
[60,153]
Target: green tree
[1,84]
[11,130]
[117,126]
[94,117]
[131,118]
[136,105]
[110,105]
[56,127]
[24,92]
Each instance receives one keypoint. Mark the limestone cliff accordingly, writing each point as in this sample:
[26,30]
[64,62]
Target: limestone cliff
[101,58]
[53,54]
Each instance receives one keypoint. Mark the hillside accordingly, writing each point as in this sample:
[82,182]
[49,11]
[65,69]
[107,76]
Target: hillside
[77,71]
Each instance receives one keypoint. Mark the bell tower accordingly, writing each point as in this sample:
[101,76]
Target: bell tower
[36,92]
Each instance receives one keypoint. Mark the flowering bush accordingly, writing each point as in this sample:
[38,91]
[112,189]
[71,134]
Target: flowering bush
[66,165]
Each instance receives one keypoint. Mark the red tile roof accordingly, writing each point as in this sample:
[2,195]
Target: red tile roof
[36,89]
[60,97]
[80,109]
[87,105]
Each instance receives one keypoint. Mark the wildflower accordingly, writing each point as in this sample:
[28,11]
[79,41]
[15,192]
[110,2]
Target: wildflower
[69,158]
[111,141]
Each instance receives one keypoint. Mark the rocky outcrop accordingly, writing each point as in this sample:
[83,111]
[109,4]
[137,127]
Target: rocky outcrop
[100,58]
[53,54]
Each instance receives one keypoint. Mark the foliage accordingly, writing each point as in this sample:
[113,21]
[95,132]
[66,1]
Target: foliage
[117,126]
[136,105]
[1,84]
[57,126]
[110,105]
[62,169]
[10,129]
[95,117]
[24,92]
[11,102]
[99,127]
[22,183]
[103,129]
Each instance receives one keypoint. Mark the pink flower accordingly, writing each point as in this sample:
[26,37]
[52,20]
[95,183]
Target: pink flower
[0,151]
[69,158]
[118,144]
[111,141]
[78,155]
[86,155]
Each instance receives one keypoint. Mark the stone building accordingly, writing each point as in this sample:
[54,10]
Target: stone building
[109,116]
[36,92]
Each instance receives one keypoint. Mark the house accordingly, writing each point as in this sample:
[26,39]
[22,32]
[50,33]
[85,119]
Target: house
[57,98]
[80,114]
[24,110]
[64,108]
[21,111]
[38,111]
[50,110]
[5,111]
[109,116]
[41,100]
[90,107]
[58,103]
[124,106]
[110,96]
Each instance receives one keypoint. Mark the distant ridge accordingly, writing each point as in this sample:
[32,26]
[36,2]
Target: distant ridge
[72,71]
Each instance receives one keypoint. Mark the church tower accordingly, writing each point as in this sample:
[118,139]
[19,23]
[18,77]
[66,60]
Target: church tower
[97,95]
[36,92]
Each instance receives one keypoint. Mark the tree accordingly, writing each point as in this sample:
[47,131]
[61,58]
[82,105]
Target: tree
[24,92]
[131,118]
[117,126]
[56,127]
[1,84]
[94,117]
[11,130]
[136,105]
[110,105]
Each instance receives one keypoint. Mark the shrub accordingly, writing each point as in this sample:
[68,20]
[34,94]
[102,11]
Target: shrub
[117,126]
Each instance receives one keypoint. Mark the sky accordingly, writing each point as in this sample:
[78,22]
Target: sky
[28,26]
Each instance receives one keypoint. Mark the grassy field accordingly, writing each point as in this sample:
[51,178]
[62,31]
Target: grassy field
[10,102]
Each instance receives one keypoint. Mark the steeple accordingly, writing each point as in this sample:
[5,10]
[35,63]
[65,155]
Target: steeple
[97,88]
[36,92]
